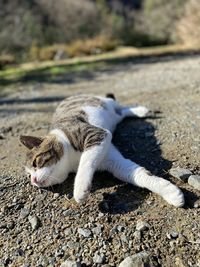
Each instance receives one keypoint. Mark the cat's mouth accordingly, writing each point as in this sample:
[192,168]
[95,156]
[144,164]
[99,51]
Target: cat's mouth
[38,183]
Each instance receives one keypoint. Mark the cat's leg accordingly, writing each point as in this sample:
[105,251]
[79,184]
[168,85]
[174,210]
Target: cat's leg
[137,111]
[97,145]
[130,172]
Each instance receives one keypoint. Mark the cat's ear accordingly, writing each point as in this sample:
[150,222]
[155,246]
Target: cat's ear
[30,141]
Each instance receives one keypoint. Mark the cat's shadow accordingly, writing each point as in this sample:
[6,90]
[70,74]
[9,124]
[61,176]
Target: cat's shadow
[136,140]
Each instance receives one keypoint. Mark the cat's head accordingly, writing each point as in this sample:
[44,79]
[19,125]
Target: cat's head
[44,160]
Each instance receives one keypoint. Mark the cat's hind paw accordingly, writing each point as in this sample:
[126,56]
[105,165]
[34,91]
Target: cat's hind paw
[173,195]
[140,111]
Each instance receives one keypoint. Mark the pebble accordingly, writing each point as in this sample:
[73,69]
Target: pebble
[73,245]
[56,195]
[137,235]
[120,228]
[142,225]
[24,213]
[34,221]
[172,235]
[137,260]
[84,232]
[68,212]
[59,253]
[11,225]
[68,231]
[99,259]
[194,180]
[180,173]
[196,205]
[97,230]
[69,263]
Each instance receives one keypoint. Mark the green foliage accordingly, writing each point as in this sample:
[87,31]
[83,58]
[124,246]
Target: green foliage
[29,29]
[159,17]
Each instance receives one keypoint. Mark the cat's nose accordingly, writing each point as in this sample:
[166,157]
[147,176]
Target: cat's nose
[34,180]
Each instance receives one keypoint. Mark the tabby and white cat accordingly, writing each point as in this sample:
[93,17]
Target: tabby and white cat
[80,141]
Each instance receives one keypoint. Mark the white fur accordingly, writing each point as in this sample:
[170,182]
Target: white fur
[89,162]
[105,157]
[130,172]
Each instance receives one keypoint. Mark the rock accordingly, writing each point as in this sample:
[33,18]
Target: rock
[59,253]
[180,173]
[68,212]
[34,221]
[99,259]
[24,213]
[84,232]
[194,180]
[124,238]
[138,260]
[68,231]
[120,228]
[137,235]
[10,225]
[142,225]
[73,245]
[179,262]
[196,205]
[97,230]
[69,263]
[172,235]
[56,195]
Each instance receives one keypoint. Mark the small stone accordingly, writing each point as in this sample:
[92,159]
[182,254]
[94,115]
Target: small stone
[68,212]
[142,225]
[194,180]
[20,252]
[97,230]
[84,232]
[68,231]
[10,225]
[24,213]
[34,221]
[56,195]
[73,245]
[124,238]
[113,230]
[69,263]
[137,260]
[180,173]
[196,205]
[99,259]
[137,235]
[59,253]
[174,234]
[120,228]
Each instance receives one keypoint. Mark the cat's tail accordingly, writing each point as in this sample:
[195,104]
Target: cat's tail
[110,95]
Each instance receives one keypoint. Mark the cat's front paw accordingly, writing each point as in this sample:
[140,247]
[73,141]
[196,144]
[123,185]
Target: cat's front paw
[80,195]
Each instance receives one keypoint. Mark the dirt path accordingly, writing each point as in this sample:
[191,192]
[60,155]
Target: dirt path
[170,138]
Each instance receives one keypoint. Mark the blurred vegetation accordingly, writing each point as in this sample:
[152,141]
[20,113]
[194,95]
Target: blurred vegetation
[40,30]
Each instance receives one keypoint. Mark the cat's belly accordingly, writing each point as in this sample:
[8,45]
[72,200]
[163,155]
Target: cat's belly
[103,118]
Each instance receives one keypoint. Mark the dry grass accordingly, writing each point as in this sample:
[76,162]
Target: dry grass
[97,45]
[188,30]
[120,54]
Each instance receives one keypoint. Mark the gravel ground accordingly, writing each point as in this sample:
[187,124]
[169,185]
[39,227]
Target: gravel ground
[46,227]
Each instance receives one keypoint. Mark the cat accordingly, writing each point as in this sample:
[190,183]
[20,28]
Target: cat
[80,140]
